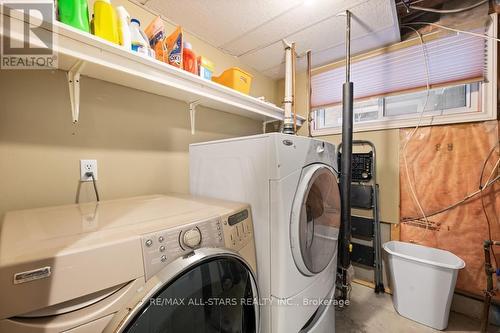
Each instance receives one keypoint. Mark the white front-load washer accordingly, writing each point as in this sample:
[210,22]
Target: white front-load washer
[144,264]
[291,184]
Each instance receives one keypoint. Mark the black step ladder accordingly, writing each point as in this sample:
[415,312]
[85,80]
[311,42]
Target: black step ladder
[365,195]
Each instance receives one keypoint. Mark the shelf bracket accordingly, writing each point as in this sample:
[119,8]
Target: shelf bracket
[192,114]
[264,125]
[74,88]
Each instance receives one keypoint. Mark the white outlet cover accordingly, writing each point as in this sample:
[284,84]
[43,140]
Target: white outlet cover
[88,166]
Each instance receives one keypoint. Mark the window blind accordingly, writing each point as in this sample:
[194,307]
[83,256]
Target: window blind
[452,58]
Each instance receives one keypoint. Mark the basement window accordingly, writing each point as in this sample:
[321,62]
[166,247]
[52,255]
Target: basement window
[454,100]
[443,100]
[390,84]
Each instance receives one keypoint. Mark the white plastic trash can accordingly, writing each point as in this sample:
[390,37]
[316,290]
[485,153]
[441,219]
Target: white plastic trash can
[423,281]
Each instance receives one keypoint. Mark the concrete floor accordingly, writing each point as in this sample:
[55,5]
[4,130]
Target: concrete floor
[373,313]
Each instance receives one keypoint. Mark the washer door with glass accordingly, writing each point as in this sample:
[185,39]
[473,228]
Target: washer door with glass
[315,219]
[215,295]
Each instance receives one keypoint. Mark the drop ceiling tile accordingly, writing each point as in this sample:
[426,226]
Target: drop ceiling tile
[221,21]
[275,73]
[266,58]
[310,39]
[368,32]
[334,53]
[254,29]
[295,20]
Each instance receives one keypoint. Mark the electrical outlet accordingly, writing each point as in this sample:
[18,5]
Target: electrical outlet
[88,166]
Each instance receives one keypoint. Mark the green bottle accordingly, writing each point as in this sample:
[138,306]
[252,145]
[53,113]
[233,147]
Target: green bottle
[74,13]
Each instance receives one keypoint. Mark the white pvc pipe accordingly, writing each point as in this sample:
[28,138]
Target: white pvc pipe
[288,100]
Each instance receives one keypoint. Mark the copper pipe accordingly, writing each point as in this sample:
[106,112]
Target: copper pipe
[294,106]
[490,288]
[309,93]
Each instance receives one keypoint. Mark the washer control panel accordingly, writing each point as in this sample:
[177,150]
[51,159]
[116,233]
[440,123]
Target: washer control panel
[232,231]
[162,247]
[238,229]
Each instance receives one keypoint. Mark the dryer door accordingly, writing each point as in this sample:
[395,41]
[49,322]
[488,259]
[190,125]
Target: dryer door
[212,292]
[315,219]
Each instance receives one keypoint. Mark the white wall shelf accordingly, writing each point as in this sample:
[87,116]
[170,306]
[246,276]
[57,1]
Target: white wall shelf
[82,54]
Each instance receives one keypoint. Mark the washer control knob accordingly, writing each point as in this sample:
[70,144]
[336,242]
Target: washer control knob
[149,242]
[163,258]
[192,238]
[162,248]
[161,239]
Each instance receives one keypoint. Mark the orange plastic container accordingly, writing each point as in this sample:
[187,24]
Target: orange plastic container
[189,59]
[235,78]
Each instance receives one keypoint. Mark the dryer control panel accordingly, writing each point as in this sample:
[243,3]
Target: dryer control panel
[232,231]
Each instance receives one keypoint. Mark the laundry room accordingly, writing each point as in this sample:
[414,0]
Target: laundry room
[249,166]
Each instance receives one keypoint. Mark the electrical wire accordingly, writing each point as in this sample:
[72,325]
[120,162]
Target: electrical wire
[448,11]
[497,164]
[482,188]
[91,175]
[95,188]
[407,25]
[485,162]
[453,29]
[404,2]
[410,137]
[488,182]
[458,203]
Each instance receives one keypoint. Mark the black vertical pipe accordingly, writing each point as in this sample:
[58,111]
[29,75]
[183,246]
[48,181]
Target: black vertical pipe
[346,172]
[346,164]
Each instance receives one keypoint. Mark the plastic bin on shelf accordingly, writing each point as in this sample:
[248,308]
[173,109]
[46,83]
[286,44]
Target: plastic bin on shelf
[423,281]
[235,78]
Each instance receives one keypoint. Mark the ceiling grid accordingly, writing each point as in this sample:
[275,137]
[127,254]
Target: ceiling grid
[253,30]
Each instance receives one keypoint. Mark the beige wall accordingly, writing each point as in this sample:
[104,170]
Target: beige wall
[140,140]
[387,146]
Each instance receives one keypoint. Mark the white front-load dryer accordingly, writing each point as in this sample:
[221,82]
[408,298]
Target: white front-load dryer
[305,227]
[291,184]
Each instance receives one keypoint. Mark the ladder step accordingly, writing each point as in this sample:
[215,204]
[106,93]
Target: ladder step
[363,255]
[362,196]
[362,227]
